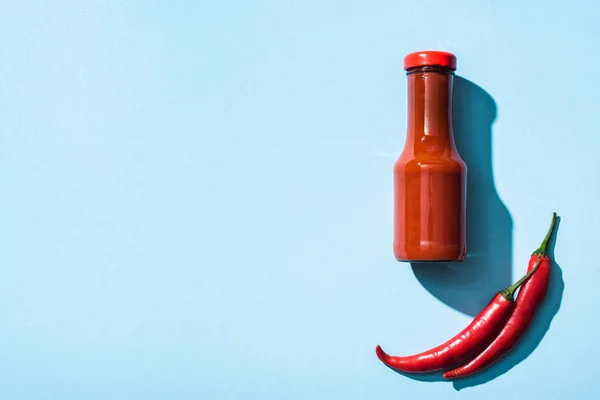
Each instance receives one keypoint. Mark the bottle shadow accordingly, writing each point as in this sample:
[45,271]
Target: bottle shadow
[468,286]
[535,332]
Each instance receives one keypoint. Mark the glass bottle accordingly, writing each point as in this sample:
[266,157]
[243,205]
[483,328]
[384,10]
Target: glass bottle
[430,177]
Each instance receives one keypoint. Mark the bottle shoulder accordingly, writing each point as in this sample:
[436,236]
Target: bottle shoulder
[448,162]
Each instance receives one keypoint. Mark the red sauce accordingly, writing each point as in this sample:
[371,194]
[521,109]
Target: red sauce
[430,178]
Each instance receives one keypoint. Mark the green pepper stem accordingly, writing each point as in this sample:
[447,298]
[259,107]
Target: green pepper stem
[543,249]
[509,292]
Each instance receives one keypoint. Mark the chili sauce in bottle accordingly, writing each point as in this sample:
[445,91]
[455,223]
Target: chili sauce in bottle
[430,177]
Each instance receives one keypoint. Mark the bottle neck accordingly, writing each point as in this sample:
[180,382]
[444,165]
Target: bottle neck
[430,110]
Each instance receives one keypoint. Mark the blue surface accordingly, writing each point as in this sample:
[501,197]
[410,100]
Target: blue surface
[197,196]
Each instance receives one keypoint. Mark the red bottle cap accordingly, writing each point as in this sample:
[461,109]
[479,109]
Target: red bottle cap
[430,58]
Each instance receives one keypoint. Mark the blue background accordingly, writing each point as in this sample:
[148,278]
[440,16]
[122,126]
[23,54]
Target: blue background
[197,196]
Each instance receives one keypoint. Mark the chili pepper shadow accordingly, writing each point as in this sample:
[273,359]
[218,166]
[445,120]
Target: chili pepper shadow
[534,333]
[468,286]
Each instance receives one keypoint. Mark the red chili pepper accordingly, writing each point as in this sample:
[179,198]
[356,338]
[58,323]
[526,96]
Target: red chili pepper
[529,298]
[464,345]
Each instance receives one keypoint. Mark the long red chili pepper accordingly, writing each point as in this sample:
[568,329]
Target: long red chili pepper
[464,345]
[529,298]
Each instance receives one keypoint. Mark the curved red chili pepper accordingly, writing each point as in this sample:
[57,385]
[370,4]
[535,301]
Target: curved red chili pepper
[468,342]
[529,298]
